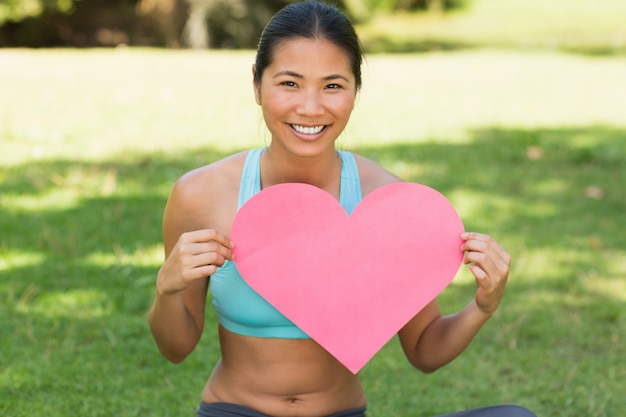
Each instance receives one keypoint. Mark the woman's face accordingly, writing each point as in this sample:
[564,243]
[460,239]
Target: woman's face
[307,95]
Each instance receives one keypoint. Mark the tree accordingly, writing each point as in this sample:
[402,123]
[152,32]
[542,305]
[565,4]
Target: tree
[18,10]
[196,32]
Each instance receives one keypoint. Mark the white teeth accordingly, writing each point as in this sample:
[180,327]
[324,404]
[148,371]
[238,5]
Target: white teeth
[308,130]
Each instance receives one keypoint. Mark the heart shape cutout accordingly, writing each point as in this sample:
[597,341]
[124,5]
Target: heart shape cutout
[349,282]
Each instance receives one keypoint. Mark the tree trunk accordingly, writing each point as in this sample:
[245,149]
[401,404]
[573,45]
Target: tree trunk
[436,6]
[196,31]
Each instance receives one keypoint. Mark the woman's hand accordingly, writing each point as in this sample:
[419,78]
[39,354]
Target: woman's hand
[196,255]
[489,264]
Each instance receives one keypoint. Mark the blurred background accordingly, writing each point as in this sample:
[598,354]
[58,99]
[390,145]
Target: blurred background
[164,23]
[385,25]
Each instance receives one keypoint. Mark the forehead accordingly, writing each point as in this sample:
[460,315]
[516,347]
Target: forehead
[310,56]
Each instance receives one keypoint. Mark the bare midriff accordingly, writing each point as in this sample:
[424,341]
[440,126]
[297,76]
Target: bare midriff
[281,377]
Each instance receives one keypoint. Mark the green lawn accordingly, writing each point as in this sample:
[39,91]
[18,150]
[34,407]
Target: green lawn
[583,26]
[529,146]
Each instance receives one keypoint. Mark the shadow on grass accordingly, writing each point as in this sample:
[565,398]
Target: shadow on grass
[385,44]
[554,198]
[78,275]
[399,45]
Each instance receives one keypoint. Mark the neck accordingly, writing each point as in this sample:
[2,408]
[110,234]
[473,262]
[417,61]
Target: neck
[321,170]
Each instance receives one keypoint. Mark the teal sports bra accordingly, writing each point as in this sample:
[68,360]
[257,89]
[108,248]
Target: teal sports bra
[239,308]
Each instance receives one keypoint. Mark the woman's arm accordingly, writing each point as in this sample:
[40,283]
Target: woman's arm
[192,254]
[430,340]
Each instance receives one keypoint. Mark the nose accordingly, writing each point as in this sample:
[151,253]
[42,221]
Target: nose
[310,103]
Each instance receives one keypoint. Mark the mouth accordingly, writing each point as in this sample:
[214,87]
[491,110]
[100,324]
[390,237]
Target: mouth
[308,130]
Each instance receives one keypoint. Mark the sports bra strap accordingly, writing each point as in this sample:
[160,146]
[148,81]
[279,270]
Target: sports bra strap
[250,176]
[350,192]
[350,188]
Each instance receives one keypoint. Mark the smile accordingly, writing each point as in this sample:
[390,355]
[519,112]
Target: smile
[308,130]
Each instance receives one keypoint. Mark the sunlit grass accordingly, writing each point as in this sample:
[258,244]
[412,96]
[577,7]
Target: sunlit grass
[147,100]
[453,92]
[178,100]
[576,25]
[77,304]
[142,256]
[16,259]
[59,199]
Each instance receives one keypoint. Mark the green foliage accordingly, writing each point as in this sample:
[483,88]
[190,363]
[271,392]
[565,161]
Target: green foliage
[425,4]
[17,10]
[391,5]
[363,10]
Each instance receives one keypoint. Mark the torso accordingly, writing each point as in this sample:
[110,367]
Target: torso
[281,377]
[277,377]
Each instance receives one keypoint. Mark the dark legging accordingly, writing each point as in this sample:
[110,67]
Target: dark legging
[234,410]
[495,411]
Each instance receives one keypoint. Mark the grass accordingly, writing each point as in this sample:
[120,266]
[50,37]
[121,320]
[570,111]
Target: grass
[581,26]
[527,145]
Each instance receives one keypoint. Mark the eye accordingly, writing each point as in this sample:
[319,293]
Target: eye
[333,86]
[288,84]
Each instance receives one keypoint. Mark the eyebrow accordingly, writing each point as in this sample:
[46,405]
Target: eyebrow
[300,76]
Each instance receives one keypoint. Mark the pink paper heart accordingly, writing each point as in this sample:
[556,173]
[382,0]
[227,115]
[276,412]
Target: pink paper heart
[349,282]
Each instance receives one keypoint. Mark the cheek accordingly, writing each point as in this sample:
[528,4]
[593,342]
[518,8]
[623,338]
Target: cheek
[273,110]
[343,104]
[274,103]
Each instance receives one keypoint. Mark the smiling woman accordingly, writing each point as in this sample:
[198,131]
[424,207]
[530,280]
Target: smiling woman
[305,79]
[307,95]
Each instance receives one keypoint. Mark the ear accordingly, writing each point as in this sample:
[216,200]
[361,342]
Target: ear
[257,87]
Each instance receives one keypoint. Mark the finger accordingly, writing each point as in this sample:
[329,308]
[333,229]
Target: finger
[211,258]
[480,260]
[483,243]
[210,247]
[204,241]
[206,235]
[480,275]
[202,265]
[494,268]
[198,272]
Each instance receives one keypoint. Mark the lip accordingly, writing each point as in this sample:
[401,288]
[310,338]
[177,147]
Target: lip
[308,136]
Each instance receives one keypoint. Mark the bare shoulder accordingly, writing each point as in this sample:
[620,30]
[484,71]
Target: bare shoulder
[219,175]
[373,175]
[205,197]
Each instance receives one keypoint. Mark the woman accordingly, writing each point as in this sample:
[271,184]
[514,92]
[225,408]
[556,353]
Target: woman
[306,77]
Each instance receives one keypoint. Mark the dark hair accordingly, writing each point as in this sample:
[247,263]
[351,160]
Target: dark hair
[309,20]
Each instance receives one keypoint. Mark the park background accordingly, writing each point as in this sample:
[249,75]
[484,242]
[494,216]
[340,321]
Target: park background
[515,110]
